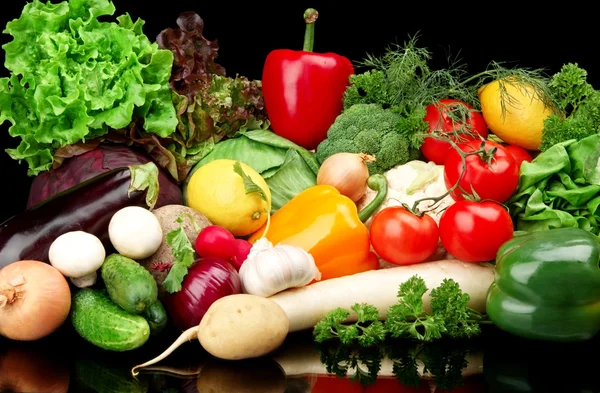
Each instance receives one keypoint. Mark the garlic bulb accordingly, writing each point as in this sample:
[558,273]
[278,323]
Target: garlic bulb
[271,269]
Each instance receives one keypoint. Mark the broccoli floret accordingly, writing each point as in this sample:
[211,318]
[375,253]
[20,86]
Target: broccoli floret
[369,140]
[370,129]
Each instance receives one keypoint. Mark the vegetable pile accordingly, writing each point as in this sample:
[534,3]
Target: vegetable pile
[401,202]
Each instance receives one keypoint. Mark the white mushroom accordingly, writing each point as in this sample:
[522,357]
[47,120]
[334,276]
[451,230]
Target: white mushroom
[77,255]
[135,232]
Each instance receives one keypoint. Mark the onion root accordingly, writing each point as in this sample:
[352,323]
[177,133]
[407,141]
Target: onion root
[188,335]
[9,294]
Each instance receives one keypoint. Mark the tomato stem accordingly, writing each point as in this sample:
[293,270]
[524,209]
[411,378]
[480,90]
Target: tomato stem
[310,17]
[466,195]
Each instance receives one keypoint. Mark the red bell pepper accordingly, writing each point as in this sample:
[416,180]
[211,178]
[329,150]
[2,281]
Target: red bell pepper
[303,91]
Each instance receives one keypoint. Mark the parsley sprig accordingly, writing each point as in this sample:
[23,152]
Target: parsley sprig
[184,254]
[450,316]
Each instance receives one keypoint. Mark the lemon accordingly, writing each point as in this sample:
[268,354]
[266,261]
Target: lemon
[217,191]
[521,121]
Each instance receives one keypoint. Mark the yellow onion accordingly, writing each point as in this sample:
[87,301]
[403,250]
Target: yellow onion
[35,300]
[347,172]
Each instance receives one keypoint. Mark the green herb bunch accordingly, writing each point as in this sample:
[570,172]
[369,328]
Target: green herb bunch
[450,316]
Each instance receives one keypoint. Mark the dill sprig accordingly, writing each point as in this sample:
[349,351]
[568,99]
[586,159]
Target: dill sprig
[402,79]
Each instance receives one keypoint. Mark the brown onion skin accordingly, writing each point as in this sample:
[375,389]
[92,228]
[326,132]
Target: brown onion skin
[42,306]
[208,280]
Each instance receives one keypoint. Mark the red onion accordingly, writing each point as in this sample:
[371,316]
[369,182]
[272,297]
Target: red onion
[208,280]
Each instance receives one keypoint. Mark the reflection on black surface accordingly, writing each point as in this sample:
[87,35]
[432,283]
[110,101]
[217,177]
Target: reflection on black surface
[496,363]
[24,369]
[101,376]
[521,366]
[443,362]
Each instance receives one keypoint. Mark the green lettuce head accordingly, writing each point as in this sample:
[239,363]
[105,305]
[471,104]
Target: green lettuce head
[74,77]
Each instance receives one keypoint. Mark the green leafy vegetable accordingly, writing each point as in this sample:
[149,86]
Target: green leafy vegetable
[210,104]
[579,103]
[368,330]
[287,168]
[249,184]
[74,76]
[560,188]
[407,318]
[184,254]
[450,316]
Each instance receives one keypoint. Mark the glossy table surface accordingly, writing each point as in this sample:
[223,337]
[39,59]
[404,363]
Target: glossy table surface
[496,362]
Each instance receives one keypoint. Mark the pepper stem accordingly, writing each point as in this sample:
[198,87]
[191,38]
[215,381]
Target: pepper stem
[310,17]
[376,183]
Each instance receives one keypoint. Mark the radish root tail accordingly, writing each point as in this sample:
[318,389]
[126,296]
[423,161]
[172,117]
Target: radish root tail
[188,335]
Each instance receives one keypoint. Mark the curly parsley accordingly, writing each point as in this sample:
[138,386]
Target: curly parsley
[450,316]
[580,106]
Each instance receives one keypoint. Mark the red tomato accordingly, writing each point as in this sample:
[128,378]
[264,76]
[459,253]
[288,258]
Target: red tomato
[402,238]
[439,120]
[474,231]
[519,154]
[496,180]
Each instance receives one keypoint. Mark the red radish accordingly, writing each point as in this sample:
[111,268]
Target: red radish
[241,250]
[215,241]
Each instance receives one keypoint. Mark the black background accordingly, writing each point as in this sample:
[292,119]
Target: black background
[532,35]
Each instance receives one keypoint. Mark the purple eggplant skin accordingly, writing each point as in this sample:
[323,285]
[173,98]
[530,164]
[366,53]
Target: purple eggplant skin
[87,207]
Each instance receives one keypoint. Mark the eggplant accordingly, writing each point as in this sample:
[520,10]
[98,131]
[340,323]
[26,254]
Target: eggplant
[88,207]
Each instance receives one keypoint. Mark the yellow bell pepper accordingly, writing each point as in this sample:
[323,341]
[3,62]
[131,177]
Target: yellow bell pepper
[328,225]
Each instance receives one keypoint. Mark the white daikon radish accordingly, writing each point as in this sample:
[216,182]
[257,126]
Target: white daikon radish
[308,305]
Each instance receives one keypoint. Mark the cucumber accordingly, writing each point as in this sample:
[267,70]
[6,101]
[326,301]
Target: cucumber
[101,322]
[104,377]
[129,285]
[156,315]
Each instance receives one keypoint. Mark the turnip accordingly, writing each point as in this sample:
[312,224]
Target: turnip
[235,327]
[305,306]
[135,232]
[77,255]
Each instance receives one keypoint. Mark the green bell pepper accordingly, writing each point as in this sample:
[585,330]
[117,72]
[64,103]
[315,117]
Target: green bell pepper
[547,286]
